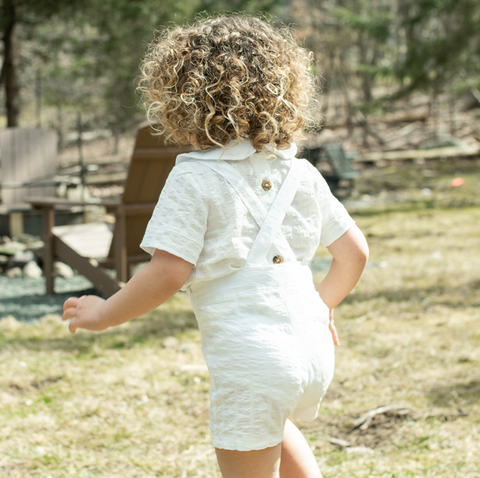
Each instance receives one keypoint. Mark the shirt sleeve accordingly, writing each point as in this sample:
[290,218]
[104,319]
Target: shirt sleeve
[335,219]
[179,220]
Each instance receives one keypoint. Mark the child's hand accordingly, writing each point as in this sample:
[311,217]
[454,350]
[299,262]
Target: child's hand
[332,328]
[85,311]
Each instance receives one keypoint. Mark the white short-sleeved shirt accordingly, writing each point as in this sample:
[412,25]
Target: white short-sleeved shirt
[200,218]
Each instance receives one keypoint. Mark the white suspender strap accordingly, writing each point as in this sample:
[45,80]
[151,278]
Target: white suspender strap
[272,223]
[268,221]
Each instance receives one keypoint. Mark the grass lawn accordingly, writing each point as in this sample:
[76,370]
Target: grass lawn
[120,403]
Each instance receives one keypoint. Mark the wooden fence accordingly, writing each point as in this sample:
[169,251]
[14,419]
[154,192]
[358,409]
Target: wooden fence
[28,160]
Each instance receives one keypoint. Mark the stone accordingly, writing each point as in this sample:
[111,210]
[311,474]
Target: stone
[32,271]
[10,248]
[63,270]
[3,259]
[27,239]
[35,245]
[14,272]
[170,343]
[21,258]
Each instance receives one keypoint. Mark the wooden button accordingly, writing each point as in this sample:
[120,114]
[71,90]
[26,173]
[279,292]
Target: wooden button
[277,259]
[266,185]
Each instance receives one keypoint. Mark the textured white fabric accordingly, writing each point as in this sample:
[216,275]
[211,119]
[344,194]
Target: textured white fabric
[268,349]
[264,333]
[202,220]
[264,327]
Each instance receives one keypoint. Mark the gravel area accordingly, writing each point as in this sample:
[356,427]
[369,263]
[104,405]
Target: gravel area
[25,299]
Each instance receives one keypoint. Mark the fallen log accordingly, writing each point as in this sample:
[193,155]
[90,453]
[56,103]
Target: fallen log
[364,421]
[401,117]
[415,154]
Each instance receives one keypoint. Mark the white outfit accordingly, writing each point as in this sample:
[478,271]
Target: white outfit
[264,327]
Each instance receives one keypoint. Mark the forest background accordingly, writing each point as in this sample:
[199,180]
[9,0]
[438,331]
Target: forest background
[67,61]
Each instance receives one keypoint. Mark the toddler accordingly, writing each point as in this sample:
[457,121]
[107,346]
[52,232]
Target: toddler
[236,226]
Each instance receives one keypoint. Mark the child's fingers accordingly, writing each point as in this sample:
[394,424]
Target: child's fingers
[70,309]
[76,322]
[70,302]
[72,326]
[69,313]
[333,330]
[334,333]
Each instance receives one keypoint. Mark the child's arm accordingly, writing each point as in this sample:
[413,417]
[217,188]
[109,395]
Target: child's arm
[350,254]
[152,285]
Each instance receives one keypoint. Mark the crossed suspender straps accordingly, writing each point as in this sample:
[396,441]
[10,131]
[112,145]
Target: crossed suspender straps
[269,221]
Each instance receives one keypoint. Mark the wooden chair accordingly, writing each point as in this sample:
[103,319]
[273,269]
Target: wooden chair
[341,166]
[92,248]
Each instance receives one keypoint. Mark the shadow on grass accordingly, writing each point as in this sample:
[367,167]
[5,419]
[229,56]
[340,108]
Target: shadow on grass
[153,327]
[449,296]
[455,394]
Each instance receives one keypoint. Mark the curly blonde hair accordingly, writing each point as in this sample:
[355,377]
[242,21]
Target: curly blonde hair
[227,78]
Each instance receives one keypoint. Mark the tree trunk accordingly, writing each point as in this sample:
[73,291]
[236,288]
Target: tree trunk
[364,75]
[9,73]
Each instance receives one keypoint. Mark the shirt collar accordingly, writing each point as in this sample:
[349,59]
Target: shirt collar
[234,151]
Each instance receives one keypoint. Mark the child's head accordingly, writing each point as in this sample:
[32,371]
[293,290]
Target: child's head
[225,78]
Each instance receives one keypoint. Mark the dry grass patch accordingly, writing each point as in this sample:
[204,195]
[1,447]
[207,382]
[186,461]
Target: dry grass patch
[120,404]
[410,337]
[112,404]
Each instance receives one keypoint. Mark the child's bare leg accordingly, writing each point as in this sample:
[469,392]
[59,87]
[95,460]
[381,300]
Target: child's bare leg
[250,464]
[298,460]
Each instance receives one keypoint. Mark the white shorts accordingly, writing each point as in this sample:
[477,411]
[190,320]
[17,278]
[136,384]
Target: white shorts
[269,351]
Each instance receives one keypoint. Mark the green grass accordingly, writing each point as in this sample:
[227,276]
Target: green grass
[119,404]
